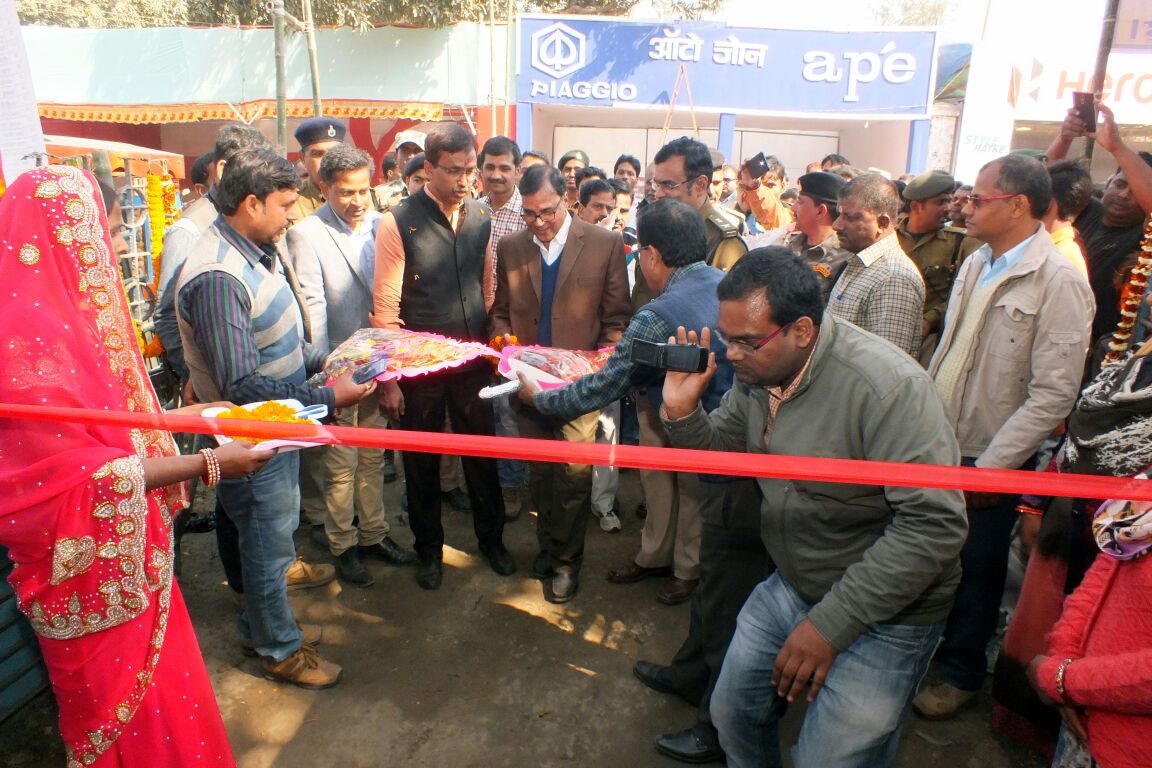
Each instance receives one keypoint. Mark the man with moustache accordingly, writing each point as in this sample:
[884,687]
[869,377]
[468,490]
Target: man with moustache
[814,239]
[597,201]
[865,572]
[880,290]
[933,246]
[560,283]
[334,254]
[316,136]
[570,162]
[431,259]
[243,341]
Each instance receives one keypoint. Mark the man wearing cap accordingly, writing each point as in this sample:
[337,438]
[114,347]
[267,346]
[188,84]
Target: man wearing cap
[934,247]
[316,136]
[407,145]
[814,239]
[570,162]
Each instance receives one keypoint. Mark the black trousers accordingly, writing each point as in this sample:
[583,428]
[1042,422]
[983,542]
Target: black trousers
[732,562]
[425,401]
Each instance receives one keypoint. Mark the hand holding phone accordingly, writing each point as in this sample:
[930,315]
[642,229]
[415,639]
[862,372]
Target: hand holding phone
[1085,105]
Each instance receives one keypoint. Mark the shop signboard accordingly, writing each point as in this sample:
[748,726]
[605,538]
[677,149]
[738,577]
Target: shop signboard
[865,74]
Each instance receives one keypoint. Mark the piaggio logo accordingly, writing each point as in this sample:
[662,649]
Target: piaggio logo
[1025,84]
[558,50]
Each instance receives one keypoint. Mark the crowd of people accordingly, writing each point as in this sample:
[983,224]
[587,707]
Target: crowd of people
[920,320]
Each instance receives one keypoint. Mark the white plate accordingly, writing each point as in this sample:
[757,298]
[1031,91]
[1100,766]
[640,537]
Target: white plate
[268,445]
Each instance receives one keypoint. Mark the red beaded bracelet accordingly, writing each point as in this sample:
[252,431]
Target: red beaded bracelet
[211,474]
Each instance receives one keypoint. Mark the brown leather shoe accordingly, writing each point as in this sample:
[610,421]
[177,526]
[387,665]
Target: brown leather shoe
[675,591]
[632,573]
[312,634]
[304,668]
[302,575]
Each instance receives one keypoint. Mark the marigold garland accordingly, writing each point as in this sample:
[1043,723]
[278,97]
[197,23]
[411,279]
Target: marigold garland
[160,195]
[1131,297]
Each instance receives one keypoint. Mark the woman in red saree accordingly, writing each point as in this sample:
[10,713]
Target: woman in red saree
[86,511]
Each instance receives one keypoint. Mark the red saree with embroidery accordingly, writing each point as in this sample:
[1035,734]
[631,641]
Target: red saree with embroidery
[92,546]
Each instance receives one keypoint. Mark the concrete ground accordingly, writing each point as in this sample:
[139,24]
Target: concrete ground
[482,673]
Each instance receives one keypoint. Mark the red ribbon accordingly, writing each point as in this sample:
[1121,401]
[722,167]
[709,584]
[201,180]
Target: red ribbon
[669,459]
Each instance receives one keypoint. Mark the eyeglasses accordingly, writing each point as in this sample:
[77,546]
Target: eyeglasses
[547,214]
[977,201]
[667,184]
[752,346]
[471,173]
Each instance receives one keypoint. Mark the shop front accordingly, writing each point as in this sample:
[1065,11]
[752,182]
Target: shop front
[612,86]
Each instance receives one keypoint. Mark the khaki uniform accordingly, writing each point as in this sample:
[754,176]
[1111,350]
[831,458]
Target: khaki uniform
[937,255]
[724,227]
[384,196]
[309,201]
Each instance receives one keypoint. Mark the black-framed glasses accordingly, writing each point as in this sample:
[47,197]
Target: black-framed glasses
[978,201]
[547,214]
[752,346]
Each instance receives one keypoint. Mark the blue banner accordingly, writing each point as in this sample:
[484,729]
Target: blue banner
[613,63]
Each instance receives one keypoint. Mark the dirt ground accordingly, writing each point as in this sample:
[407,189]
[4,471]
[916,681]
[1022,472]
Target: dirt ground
[479,674]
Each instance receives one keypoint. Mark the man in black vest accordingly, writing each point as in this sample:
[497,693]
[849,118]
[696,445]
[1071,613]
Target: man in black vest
[430,264]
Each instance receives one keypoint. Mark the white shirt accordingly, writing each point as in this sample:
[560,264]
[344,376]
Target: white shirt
[552,251]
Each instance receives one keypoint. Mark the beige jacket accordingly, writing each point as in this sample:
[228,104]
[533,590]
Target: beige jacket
[1024,370]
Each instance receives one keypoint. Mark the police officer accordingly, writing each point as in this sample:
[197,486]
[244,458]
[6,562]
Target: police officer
[935,248]
[316,136]
[682,170]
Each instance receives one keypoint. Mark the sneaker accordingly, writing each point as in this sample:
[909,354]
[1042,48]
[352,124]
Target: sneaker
[609,521]
[302,575]
[513,504]
[304,668]
[458,500]
[942,701]
[312,634]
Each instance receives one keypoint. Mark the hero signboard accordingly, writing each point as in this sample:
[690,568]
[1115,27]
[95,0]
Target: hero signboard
[609,62]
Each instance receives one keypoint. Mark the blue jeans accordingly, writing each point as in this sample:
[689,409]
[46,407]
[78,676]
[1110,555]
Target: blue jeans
[857,716]
[265,508]
[962,660]
[511,471]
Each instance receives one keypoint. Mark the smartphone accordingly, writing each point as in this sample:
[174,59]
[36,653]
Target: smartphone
[689,358]
[1085,105]
[369,371]
[757,166]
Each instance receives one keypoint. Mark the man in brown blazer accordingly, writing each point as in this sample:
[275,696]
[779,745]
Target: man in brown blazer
[559,283]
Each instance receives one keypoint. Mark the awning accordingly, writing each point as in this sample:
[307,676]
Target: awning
[143,160]
[248,111]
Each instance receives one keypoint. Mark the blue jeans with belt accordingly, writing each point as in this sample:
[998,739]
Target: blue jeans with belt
[856,717]
[265,508]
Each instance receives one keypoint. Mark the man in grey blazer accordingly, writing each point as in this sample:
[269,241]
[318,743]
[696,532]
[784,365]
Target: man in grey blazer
[333,252]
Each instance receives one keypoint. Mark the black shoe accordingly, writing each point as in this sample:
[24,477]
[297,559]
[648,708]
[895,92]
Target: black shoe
[697,744]
[388,473]
[200,524]
[429,574]
[562,587]
[458,500]
[351,570]
[653,676]
[542,567]
[390,552]
[499,559]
